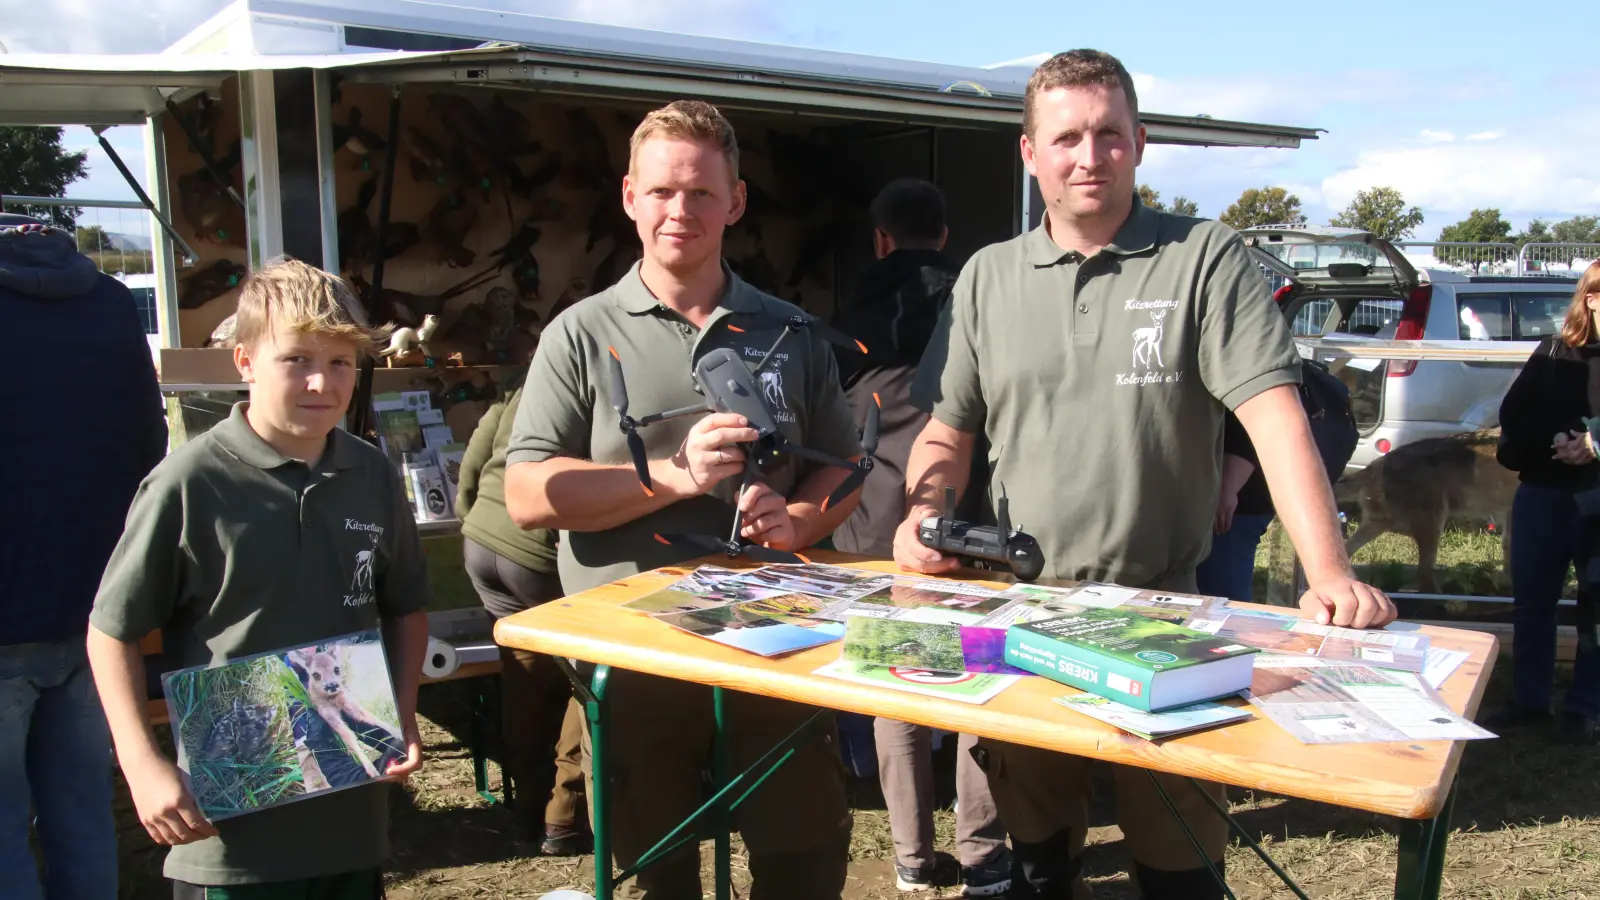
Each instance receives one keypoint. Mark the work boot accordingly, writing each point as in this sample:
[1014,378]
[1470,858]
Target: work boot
[1044,871]
[1190,884]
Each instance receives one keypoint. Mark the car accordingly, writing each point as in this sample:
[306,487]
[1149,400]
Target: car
[1350,284]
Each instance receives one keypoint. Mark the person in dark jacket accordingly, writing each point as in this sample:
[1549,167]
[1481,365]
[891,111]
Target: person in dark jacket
[88,424]
[1545,439]
[513,570]
[1244,510]
[897,301]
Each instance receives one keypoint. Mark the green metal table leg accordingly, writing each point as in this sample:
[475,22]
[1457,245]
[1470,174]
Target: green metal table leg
[1420,874]
[477,734]
[593,697]
[719,772]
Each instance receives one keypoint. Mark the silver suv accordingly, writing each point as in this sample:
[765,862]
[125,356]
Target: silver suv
[1351,284]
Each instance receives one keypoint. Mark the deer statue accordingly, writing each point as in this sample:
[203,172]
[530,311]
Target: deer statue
[1148,340]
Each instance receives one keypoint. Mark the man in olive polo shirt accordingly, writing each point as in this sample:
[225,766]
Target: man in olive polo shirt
[275,530]
[568,467]
[1097,354]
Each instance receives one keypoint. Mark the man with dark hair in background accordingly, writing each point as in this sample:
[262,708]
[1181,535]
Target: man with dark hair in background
[896,304]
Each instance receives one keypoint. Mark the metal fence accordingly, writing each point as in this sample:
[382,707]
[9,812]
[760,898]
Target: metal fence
[116,234]
[1556,259]
[1479,258]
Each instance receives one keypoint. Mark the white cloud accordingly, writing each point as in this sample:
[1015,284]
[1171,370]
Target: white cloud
[1436,137]
[1547,165]
[1486,136]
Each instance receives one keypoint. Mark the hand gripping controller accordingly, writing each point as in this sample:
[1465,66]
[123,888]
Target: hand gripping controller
[994,543]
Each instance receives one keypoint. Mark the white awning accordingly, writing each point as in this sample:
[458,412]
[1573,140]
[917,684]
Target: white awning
[126,88]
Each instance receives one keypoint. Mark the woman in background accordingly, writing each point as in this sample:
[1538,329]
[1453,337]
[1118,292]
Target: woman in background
[513,570]
[1545,436]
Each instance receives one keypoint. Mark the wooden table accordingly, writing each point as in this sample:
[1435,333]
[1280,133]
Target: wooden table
[1412,781]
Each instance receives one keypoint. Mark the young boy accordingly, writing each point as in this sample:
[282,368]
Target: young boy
[333,549]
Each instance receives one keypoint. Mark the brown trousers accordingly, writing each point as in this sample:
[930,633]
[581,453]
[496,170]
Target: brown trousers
[796,825]
[541,726]
[905,770]
[1042,794]
[542,732]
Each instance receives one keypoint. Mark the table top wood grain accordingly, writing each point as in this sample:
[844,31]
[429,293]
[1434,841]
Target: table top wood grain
[1408,780]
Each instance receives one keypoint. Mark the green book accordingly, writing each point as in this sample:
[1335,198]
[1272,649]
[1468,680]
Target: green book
[1148,664]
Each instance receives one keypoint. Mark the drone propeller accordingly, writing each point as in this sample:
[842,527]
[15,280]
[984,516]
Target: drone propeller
[619,402]
[710,544]
[835,336]
[869,446]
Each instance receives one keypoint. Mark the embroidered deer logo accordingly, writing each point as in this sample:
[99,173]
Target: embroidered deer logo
[363,577]
[1147,341]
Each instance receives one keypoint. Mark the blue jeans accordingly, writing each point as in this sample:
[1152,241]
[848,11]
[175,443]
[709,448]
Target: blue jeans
[1544,544]
[1231,568]
[55,771]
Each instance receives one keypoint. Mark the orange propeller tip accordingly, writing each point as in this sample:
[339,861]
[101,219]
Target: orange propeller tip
[614,354]
[647,491]
[876,399]
[803,557]
[862,346]
[663,540]
[736,328]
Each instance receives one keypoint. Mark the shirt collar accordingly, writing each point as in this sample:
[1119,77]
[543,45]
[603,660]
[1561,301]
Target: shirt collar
[631,294]
[238,438]
[1137,234]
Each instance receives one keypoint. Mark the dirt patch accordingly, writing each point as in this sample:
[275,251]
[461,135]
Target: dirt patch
[1527,825]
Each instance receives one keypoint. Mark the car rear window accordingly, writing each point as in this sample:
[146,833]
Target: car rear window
[1539,315]
[1516,316]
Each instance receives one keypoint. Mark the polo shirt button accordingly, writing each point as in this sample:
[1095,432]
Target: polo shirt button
[1083,307]
[1083,280]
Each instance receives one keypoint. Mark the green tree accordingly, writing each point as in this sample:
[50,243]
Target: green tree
[34,164]
[1263,206]
[1483,226]
[93,239]
[1382,211]
[1577,230]
[1181,205]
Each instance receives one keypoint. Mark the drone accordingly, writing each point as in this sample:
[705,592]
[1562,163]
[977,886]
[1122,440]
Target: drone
[730,385]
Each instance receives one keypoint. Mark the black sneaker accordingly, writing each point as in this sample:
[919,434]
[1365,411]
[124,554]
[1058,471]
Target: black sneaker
[1579,729]
[987,879]
[913,881]
[1512,716]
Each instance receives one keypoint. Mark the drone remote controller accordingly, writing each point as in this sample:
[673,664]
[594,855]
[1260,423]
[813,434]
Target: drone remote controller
[730,385]
[997,543]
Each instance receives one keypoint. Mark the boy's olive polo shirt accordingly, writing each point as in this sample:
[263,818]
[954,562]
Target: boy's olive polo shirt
[1101,384]
[566,408]
[231,550]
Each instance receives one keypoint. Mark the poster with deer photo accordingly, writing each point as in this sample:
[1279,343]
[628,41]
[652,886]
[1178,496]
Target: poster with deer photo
[278,727]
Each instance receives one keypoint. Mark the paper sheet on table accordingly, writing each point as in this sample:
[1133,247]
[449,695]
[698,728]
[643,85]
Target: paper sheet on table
[966,687]
[1440,665]
[1334,704]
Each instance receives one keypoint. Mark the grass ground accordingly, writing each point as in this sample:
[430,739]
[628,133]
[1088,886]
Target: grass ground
[1471,561]
[1527,825]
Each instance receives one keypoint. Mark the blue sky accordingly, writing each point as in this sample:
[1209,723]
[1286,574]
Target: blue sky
[1475,107]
